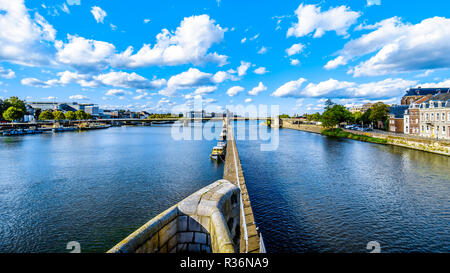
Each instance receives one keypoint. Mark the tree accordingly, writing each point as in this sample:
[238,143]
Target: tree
[46,115]
[335,115]
[37,113]
[58,115]
[80,114]
[14,101]
[328,104]
[2,108]
[13,113]
[70,115]
[379,112]
[357,117]
[284,116]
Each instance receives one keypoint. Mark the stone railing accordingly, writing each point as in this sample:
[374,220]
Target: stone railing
[206,221]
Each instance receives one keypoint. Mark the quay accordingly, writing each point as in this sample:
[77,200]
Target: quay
[437,146]
[216,219]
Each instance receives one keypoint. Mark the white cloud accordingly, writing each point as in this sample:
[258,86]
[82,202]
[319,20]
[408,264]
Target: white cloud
[373,2]
[98,13]
[233,91]
[189,44]
[129,80]
[288,89]
[242,69]
[385,89]
[257,89]
[295,62]
[85,54]
[78,97]
[262,50]
[248,100]
[243,40]
[335,63]
[74,2]
[205,90]
[146,21]
[260,70]
[65,8]
[7,73]
[311,19]
[399,47]
[23,39]
[117,92]
[295,49]
[325,87]
[222,76]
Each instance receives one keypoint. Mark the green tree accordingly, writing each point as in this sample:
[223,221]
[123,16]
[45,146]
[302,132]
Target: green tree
[379,112]
[328,104]
[284,116]
[58,115]
[13,113]
[16,102]
[2,108]
[357,117]
[336,115]
[37,113]
[80,114]
[70,115]
[46,115]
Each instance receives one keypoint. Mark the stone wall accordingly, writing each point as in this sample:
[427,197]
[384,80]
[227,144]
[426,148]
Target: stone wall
[251,243]
[413,142]
[289,124]
[206,221]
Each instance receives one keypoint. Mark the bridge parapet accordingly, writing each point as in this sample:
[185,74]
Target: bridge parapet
[206,221]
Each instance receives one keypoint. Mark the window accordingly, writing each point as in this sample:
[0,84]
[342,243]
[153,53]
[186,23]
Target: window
[423,128]
[432,116]
[443,129]
[437,116]
[427,116]
[417,121]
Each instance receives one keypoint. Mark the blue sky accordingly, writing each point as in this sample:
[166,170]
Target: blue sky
[160,55]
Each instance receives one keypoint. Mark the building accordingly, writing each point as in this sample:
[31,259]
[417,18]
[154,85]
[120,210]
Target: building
[65,107]
[396,118]
[435,117]
[412,117]
[360,108]
[415,94]
[195,114]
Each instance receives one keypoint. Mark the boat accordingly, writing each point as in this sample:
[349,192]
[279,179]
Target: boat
[223,136]
[218,153]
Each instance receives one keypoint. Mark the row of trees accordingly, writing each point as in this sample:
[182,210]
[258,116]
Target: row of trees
[162,116]
[69,115]
[335,114]
[12,109]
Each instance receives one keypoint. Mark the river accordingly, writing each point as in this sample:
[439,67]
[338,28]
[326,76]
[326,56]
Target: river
[312,194]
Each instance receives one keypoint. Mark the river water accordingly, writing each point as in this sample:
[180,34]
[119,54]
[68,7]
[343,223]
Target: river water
[312,194]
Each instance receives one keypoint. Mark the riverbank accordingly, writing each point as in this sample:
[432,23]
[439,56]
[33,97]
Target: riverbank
[427,145]
[343,134]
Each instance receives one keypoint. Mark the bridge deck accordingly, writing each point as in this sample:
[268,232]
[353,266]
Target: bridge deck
[251,244]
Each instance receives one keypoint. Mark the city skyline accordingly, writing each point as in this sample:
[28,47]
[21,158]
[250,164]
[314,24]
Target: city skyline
[134,56]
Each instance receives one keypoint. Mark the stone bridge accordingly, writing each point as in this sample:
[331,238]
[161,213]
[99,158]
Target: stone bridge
[216,219]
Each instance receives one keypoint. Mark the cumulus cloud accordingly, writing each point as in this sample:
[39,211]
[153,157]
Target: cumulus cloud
[129,80]
[85,54]
[289,89]
[260,70]
[257,89]
[248,100]
[242,69]
[312,19]
[233,91]
[205,90]
[295,49]
[262,50]
[373,2]
[23,39]
[98,13]
[295,62]
[146,21]
[332,88]
[399,47]
[78,97]
[7,73]
[189,44]
[117,92]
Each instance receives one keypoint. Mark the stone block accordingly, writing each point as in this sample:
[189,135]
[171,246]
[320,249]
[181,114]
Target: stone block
[194,225]
[172,244]
[185,237]
[167,232]
[182,222]
[194,248]
[200,238]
